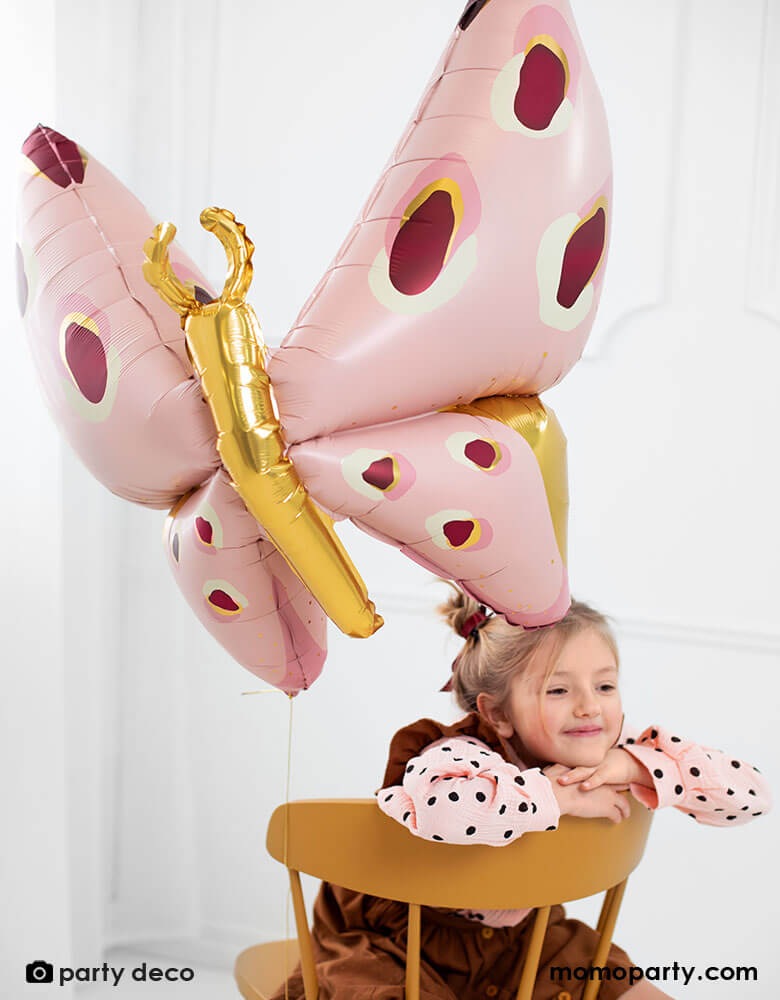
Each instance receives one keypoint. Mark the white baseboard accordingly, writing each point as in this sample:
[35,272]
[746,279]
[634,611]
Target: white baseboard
[216,947]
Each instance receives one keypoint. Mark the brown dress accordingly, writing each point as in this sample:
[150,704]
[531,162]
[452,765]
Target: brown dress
[359,940]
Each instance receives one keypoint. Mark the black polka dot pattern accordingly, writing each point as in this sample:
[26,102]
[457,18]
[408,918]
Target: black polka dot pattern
[490,793]
[695,778]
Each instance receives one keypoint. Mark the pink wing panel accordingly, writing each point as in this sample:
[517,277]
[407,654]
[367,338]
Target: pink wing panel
[109,352]
[242,590]
[461,495]
[476,265]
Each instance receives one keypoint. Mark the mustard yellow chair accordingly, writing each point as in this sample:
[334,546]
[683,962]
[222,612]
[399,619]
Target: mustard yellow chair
[351,843]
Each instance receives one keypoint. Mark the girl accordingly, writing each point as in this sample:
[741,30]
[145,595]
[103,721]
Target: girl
[544,736]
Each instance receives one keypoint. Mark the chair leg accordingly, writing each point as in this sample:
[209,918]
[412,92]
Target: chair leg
[605,908]
[310,985]
[531,965]
[607,922]
[413,953]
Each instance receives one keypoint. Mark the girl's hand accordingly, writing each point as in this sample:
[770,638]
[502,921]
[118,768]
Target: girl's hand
[617,768]
[577,801]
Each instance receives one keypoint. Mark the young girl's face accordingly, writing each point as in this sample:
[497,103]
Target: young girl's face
[573,717]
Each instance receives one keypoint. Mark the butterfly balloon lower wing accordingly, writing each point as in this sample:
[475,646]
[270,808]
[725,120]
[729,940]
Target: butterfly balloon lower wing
[476,265]
[477,494]
[109,354]
[241,588]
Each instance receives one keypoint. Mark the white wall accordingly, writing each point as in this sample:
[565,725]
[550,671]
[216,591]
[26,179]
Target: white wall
[35,883]
[285,113]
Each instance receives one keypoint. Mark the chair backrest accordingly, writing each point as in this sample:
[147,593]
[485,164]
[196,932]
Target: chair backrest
[351,843]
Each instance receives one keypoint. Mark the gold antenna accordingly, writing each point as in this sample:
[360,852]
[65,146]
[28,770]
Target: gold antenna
[157,271]
[239,249]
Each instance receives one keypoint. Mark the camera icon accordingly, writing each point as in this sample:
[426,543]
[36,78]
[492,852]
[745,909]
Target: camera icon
[40,972]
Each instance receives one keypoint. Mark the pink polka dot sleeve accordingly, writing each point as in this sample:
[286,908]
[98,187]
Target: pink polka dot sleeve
[459,791]
[710,786]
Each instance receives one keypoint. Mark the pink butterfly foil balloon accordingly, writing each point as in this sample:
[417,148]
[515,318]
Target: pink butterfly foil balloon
[474,270]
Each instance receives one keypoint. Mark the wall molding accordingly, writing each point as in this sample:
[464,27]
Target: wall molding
[629,626]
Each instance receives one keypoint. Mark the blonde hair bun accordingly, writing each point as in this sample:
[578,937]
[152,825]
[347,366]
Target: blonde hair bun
[490,660]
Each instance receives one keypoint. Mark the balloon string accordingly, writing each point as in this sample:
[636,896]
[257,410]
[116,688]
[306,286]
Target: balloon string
[272,690]
[286,844]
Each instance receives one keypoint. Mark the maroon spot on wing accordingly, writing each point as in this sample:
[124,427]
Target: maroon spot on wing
[380,473]
[203,296]
[541,89]
[204,530]
[481,453]
[581,257]
[56,156]
[458,533]
[223,601]
[420,247]
[86,359]
[21,281]
[473,7]
[175,546]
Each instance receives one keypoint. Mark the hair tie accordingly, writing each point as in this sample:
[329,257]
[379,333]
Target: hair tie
[469,630]
[471,625]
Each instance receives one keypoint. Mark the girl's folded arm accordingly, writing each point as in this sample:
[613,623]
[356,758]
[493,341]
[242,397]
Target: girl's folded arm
[710,786]
[459,791]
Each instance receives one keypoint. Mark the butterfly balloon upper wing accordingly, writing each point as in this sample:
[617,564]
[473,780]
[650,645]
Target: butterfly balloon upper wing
[109,353]
[476,265]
